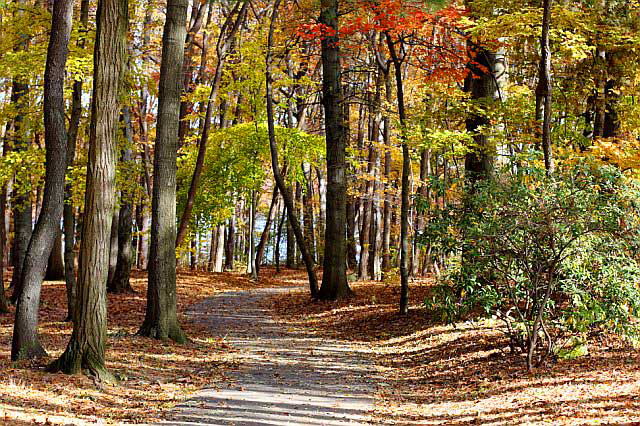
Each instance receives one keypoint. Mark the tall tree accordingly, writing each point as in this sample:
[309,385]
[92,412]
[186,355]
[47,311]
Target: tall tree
[120,283]
[22,208]
[334,278]
[68,213]
[85,351]
[287,196]
[398,58]
[543,90]
[161,320]
[25,343]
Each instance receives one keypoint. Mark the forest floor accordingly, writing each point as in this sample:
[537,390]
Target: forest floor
[425,372]
[464,373]
[154,376]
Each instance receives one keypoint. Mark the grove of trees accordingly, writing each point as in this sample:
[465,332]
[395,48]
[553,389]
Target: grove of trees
[492,146]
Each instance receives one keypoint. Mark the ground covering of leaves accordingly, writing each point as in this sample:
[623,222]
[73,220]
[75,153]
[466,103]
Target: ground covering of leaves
[464,374]
[154,376]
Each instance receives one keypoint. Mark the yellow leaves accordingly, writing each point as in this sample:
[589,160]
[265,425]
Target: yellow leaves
[624,153]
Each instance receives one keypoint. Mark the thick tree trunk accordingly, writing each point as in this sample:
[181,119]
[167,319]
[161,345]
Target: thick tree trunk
[481,84]
[273,147]
[161,319]
[55,264]
[334,278]
[25,343]
[86,349]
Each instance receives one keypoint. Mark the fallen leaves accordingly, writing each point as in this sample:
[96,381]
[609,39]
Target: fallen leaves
[464,374]
[154,376]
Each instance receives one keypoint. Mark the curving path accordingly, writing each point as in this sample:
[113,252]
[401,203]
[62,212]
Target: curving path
[286,376]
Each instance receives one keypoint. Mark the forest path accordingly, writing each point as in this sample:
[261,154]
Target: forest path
[286,376]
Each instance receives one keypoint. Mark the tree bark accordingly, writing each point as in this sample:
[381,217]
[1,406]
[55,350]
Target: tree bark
[113,246]
[264,238]
[121,282]
[230,244]
[25,343]
[86,349]
[543,91]
[406,172]
[22,208]
[334,278]
[55,264]
[161,321]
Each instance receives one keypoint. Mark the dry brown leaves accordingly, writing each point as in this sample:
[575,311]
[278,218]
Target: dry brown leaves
[464,374]
[155,376]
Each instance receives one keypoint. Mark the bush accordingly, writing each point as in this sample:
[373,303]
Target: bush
[550,257]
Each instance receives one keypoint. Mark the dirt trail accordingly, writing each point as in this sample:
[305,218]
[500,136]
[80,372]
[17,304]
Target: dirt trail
[286,376]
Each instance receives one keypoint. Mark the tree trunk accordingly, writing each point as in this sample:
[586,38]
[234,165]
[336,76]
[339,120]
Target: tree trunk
[25,343]
[121,277]
[278,239]
[113,247]
[543,91]
[286,195]
[307,206]
[406,171]
[22,208]
[161,321]
[225,42]
[334,278]
[386,209]
[230,244]
[55,264]
[86,349]
[250,236]
[264,238]
[481,84]
[4,303]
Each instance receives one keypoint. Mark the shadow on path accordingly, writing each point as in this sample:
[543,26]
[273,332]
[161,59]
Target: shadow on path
[286,376]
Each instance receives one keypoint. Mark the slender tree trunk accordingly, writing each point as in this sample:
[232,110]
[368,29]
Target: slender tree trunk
[121,277]
[113,247]
[224,44]
[264,238]
[406,171]
[4,303]
[286,195]
[543,91]
[386,209]
[230,244]
[25,343]
[307,205]
[334,278]
[250,236]
[279,238]
[22,207]
[161,320]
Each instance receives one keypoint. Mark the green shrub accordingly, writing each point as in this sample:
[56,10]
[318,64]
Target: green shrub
[550,257]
